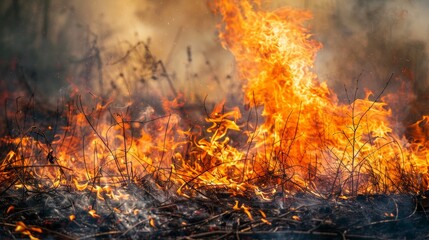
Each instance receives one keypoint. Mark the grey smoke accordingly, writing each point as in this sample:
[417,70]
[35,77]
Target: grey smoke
[372,38]
[376,39]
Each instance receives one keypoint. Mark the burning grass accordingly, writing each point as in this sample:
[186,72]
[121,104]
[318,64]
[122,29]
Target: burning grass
[297,165]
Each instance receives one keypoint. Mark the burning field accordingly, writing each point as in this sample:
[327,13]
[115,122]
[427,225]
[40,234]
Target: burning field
[119,145]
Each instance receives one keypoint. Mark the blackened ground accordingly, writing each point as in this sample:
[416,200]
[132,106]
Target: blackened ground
[151,213]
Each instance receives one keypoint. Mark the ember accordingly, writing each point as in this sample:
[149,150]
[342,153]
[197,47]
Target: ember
[292,161]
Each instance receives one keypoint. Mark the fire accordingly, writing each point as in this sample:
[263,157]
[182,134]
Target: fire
[297,136]
[25,230]
[307,136]
[93,213]
[10,209]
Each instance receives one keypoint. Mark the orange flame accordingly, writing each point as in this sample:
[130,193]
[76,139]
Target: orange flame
[307,135]
[306,140]
[10,209]
[93,213]
[22,228]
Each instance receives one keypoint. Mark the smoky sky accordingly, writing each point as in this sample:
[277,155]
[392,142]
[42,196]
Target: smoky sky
[373,40]
[369,40]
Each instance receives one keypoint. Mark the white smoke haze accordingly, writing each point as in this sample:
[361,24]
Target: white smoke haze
[375,39]
[370,39]
[182,34]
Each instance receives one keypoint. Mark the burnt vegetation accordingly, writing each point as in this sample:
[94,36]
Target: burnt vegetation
[50,138]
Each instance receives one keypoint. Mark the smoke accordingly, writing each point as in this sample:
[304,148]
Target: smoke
[58,43]
[52,40]
[180,33]
[185,37]
[369,41]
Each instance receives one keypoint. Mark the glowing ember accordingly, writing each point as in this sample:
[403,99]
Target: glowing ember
[302,138]
[93,213]
[152,222]
[10,209]
[22,228]
[247,211]
[264,218]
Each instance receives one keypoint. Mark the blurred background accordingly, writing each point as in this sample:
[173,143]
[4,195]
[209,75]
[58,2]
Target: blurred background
[160,48]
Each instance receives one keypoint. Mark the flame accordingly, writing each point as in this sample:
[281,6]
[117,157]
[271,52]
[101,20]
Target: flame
[152,222]
[235,207]
[302,138]
[10,209]
[264,217]
[306,134]
[247,211]
[22,228]
[93,213]
[265,221]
